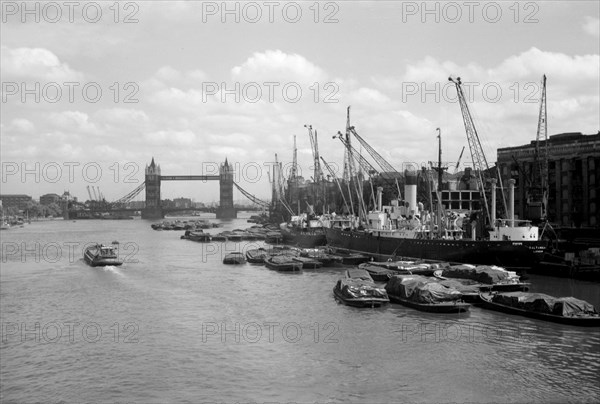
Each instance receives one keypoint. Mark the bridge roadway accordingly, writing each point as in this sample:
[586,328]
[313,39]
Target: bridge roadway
[166,210]
[189,178]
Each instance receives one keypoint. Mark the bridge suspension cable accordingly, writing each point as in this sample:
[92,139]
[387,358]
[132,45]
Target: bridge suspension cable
[132,194]
[251,197]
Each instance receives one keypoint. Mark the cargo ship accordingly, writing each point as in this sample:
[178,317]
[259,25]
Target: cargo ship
[403,230]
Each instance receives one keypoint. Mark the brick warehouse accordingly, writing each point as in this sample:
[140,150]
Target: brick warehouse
[573,177]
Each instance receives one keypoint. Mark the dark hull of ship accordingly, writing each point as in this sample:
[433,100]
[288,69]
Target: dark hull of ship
[507,254]
[304,239]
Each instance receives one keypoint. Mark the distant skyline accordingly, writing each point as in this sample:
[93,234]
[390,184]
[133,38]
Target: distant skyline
[90,94]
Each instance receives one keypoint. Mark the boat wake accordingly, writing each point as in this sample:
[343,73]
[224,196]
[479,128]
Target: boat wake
[112,269]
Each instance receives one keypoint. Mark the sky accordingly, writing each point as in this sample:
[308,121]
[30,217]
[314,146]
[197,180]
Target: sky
[92,91]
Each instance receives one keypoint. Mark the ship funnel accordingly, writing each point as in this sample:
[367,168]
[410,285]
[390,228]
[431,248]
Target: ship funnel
[379,199]
[410,191]
[511,201]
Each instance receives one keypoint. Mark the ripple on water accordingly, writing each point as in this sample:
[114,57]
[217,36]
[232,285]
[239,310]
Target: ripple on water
[179,326]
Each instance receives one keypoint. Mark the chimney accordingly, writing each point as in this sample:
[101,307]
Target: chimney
[410,191]
[511,201]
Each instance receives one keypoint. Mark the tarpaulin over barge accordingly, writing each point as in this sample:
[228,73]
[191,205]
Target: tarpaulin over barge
[541,303]
[482,273]
[420,289]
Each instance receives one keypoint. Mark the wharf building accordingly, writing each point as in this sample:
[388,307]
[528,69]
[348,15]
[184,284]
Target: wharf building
[18,201]
[573,177]
[49,199]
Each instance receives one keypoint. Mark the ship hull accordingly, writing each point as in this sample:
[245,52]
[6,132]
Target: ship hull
[304,238]
[506,253]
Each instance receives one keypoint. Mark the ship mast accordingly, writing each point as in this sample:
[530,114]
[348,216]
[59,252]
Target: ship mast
[294,178]
[318,172]
[440,172]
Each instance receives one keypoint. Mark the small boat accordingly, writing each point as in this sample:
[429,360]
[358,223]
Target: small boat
[256,255]
[421,293]
[470,292]
[564,310]
[308,263]
[196,235]
[234,258]
[283,263]
[273,237]
[101,255]
[219,237]
[283,250]
[379,273]
[485,277]
[234,236]
[357,289]
[354,259]
[411,267]
[321,256]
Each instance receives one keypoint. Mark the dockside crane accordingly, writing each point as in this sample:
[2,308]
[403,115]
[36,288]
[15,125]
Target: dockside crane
[318,173]
[89,193]
[480,164]
[537,195]
[459,159]
[332,174]
[292,181]
[381,162]
[363,162]
[350,171]
[277,189]
[318,178]
[294,170]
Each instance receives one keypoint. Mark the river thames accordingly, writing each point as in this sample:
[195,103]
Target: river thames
[173,324]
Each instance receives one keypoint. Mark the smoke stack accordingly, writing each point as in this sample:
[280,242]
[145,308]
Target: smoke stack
[379,198]
[511,201]
[410,190]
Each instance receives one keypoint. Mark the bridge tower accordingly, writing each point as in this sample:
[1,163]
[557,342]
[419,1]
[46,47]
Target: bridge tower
[226,209]
[153,209]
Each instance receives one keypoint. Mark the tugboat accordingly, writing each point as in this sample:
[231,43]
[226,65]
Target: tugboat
[101,255]
[304,231]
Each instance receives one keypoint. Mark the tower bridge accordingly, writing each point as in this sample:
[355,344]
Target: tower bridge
[153,208]
[154,178]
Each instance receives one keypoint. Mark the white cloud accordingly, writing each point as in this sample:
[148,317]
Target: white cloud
[535,62]
[123,117]
[368,96]
[171,138]
[36,63]
[277,66]
[21,125]
[75,122]
[173,77]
